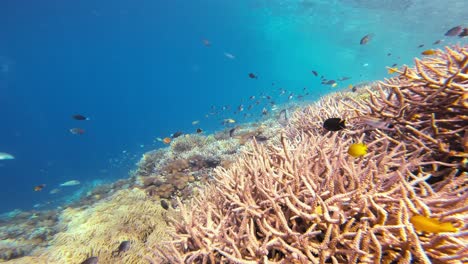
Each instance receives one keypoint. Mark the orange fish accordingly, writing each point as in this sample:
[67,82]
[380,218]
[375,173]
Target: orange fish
[39,187]
[167,140]
[428,52]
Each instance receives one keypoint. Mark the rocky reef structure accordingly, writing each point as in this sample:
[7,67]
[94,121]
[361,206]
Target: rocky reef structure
[303,199]
[23,232]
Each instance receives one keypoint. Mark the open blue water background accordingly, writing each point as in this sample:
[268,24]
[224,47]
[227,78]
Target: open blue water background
[140,70]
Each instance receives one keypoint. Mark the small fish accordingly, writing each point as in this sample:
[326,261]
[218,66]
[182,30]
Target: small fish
[6,156]
[70,183]
[39,187]
[80,117]
[315,73]
[357,150]
[464,33]
[54,191]
[166,140]
[228,121]
[376,123]
[392,70]
[252,97]
[437,42]
[334,124]
[77,131]
[366,39]
[394,64]
[91,260]
[431,225]
[454,31]
[421,45]
[199,130]
[159,139]
[253,76]
[429,52]
[264,111]
[206,42]
[164,204]
[389,54]
[334,85]
[177,134]
[229,55]
[344,78]
[240,108]
[283,117]
[195,122]
[231,132]
[124,246]
[330,82]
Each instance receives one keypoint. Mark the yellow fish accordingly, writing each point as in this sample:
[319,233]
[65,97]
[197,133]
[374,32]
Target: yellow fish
[334,85]
[357,150]
[428,52]
[392,70]
[431,225]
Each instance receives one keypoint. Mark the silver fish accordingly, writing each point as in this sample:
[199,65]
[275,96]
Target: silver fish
[376,123]
[6,156]
[70,183]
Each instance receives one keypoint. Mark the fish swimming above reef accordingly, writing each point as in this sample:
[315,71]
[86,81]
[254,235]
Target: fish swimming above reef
[91,260]
[199,130]
[454,31]
[124,246]
[431,225]
[229,55]
[253,76]
[164,204]
[231,132]
[429,52]
[80,117]
[364,40]
[39,187]
[228,121]
[70,183]
[334,124]
[464,33]
[6,156]
[77,131]
[376,123]
[357,150]
[177,134]
[166,140]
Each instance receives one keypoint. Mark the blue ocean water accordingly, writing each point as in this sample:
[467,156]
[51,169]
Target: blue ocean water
[141,70]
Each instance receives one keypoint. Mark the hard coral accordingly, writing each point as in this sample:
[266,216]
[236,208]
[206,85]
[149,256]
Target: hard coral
[304,200]
[99,229]
[429,104]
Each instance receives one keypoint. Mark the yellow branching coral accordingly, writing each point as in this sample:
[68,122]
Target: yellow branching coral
[98,230]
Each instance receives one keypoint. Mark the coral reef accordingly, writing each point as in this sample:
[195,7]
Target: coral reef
[303,199]
[22,232]
[428,105]
[98,230]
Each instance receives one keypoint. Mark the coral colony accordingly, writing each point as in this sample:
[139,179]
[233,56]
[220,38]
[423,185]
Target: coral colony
[377,175]
[305,200]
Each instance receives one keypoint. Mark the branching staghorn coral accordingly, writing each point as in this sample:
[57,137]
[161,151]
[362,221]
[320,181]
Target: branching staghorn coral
[309,202]
[304,200]
[429,105]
